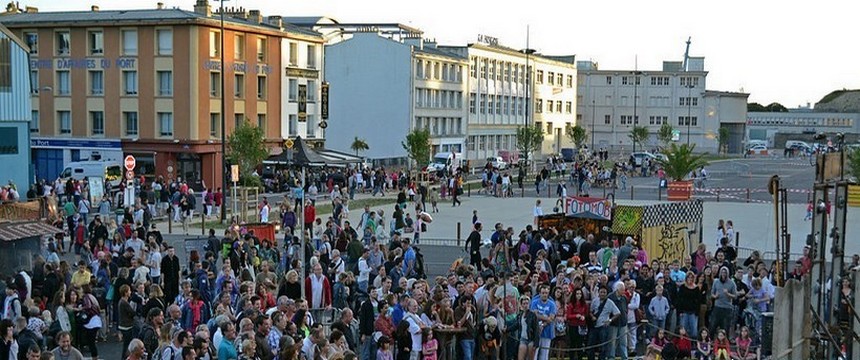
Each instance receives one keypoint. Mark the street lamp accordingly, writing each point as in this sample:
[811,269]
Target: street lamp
[223,127]
[635,96]
[592,123]
[689,108]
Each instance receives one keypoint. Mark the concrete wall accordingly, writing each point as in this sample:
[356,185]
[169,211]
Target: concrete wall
[370,96]
[15,114]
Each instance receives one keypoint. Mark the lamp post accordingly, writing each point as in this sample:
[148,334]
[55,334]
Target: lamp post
[592,122]
[223,127]
[635,99]
[689,108]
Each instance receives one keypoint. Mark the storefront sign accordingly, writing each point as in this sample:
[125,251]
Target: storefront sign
[74,143]
[303,73]
[303,103]
[238,67]
[594,208]
[84,63]
[324,101]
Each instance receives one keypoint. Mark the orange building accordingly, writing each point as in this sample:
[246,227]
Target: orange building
[148,83]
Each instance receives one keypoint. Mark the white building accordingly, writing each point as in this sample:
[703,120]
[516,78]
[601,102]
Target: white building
[499,97]
[799,124]
[303,62]
[383,86]
[15,111]
[611,102]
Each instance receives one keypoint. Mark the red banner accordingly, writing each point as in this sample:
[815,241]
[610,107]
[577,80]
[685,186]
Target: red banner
[587,207]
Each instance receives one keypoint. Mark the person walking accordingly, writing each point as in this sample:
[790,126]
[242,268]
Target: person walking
[473,246]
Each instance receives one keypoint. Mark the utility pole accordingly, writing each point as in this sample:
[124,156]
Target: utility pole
[223,126]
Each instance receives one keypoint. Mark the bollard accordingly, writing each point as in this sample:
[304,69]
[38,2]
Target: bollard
[718,195]
[659,193]
[169,223]
[469,189]
[748,194]
[203,224]
[631,192]
[458,234]
[522,191]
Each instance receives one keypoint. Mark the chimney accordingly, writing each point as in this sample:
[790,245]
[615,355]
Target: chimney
[276,20]
[202,7]
[159,5]
[255,16]
[94,8]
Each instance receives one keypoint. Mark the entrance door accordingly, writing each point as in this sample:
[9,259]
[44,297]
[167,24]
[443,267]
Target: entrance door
[49,163]
[190,169]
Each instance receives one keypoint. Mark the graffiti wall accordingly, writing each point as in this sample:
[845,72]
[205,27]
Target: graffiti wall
[667,230]
[668,242]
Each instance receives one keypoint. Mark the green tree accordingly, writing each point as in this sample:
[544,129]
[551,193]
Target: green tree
[639,135]
[417,146]
[755,107]
[853,161]
[246,147]
[577,135]
[529,140]
[680,161]
[664,135]
[359,145]
[722,139]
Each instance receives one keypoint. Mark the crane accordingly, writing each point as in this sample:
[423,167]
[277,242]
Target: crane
[687,54]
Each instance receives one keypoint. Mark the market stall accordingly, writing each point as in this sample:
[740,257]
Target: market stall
[668,231]
[583,215]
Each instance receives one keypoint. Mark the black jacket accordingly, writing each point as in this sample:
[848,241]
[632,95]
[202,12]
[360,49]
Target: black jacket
[474,242]
[366,319]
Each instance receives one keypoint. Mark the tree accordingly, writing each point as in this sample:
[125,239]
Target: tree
[664,135]
[246,147]
[680,161]
[529,139]
[577,135]
[639,135]
[359,145]
[722,139]
[417,146]
[853,161]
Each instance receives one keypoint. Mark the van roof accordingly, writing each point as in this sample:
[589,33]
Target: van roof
[93,162]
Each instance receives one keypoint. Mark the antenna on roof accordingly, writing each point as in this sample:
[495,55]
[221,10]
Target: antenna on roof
[687,54]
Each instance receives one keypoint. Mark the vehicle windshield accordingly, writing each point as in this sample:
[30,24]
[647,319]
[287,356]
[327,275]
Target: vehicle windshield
[66,173]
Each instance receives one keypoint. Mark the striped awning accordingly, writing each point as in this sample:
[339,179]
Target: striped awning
[17,230]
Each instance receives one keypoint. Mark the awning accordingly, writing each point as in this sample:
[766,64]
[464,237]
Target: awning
[305,156]
[17,230]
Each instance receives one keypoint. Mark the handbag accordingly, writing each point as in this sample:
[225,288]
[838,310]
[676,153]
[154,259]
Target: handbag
[582,330]
[110,293]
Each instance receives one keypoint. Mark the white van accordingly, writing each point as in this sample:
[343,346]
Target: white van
[446,161]
[111,171]
[796,144]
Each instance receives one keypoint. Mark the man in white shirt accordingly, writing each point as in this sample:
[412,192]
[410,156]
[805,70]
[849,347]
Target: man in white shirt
[153,261]
[538,212]
[135,243]
[363,270]
[309,344]
[416,326]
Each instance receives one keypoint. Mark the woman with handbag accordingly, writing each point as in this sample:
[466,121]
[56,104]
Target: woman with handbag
[90,315]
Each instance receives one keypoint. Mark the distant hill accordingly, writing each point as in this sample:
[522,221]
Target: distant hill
[840,101]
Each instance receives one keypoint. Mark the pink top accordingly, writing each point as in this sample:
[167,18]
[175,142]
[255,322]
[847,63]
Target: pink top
[430,354]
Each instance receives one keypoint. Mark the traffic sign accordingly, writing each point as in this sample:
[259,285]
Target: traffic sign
[129,175]
[234,173]
[323,124]
[288,143]
[130,163]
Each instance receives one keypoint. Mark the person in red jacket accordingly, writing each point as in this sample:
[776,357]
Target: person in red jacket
[310,215]
[576,313]
[318,289]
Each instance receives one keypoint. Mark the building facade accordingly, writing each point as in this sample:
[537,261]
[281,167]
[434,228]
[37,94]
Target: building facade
[14,111]
[501,99]
[385,86]
[799,124]
[151,80]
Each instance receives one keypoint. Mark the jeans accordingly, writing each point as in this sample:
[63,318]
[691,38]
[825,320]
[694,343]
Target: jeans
[368,347]
[542,352]
[362,286]
[618,342]
[468,347]
[690,322]
[596,336]
[721,318]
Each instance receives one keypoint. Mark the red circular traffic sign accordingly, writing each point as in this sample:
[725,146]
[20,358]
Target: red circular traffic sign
[130,162]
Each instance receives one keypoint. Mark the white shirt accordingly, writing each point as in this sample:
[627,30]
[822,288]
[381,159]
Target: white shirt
[538,211]
[154,264]
[363,270]
[415,330]
[264,214]
[317,291]
[308,348]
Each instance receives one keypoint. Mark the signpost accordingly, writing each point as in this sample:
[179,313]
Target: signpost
[128,195]
[303,103]
[324,101]
[234,177]
[130,163]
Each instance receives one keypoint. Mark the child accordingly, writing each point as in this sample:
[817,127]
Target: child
[384,348]
[745,350]
[490,338]
[656,346]
[721,346]
[429,345]
[659,308]
[434,198]
[808,211]
[474,217]
[682,342]
[36,324]
[703,346]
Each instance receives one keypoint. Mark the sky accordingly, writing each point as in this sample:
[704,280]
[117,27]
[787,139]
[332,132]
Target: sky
[792,52]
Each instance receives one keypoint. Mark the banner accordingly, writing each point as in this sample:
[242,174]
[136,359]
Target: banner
[587,207]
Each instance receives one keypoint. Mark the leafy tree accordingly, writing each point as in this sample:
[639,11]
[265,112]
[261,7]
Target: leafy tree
[246,147]
[639,135]
[664,135]
[359,145]
[529,139]
[577,135]
[776,107]
[417,146]
[755,107]
[680,161]
[853,161]
[722,139]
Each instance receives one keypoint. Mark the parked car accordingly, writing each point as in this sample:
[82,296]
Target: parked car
[639,156]
[497,162]
[757,150]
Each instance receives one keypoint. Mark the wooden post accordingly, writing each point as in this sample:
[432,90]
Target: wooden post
[170,221]
[631,192]
[748,194]
[458,233]
[203,221]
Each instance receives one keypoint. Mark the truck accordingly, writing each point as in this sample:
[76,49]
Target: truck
[448,161]
[512,158]
[111,171]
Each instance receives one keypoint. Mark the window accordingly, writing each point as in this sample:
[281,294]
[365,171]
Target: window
[34,121]
[688,101]
[129,42]
[214,84]
[239,86]
[483,103]
[498,104]
[214,123]
[568,107]
[311,127]
[165,41]
[261,121]
[609,80]
[312,57]
[97,43]
[130,123]
[32,40]
[261,87]
[97,123]
[539,125]
[165,83]
[570,81]
[607,119]
[165,124]
[63,40]
[294,125]
[688,121]
[34,82]
[129,79]
[312,91]
[558,106]
[65,121]
[214,44]
[549,128]
[294,54]
[540,76]
[97,82]
[658,120]
[239,47]
[539,106]
[471,103]
[63,83]
[629,120]
[491,104]
[293,90]
[238,119]
[550,78]
[549,106]
[261,49]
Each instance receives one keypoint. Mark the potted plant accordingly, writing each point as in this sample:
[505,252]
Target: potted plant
[677,165]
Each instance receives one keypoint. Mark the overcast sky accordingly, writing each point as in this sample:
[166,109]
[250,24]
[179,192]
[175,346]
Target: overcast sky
[789,51]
